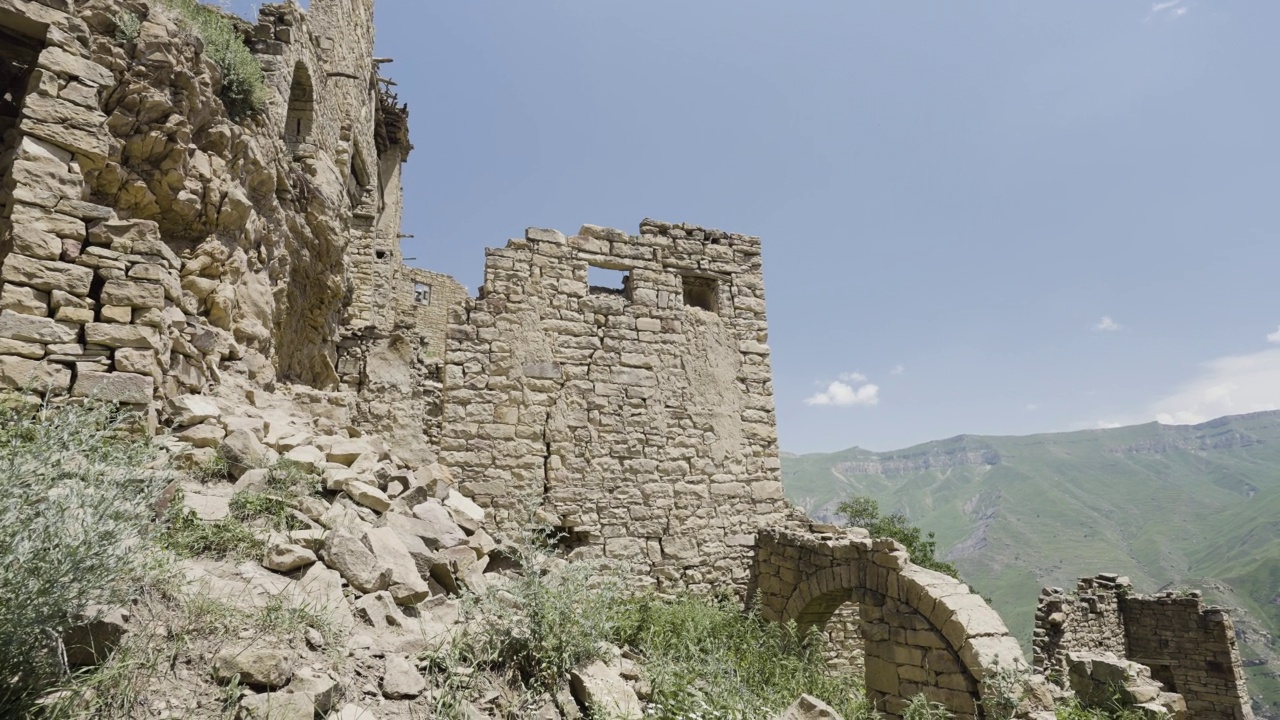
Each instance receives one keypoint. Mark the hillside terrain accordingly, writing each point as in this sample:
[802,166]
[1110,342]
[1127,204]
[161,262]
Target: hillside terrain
[1186,506]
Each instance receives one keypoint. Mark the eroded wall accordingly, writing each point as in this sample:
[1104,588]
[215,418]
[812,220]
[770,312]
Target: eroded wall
[150,242]
[1190,648]
[642,427]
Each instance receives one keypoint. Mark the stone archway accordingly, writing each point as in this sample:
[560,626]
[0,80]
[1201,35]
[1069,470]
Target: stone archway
[922,631]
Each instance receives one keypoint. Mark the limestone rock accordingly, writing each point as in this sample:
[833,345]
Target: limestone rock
[601,688]
[434,525]
[192,410]
[276,706]
[367,495]
[244,452]
[28,328]
[203,436]
[351,711]
[465,512]
[47,275]
[321,689]
[401,679]
[23,374]
[345,553]
[257,667]
[114,387]
[286,557]
[807,707]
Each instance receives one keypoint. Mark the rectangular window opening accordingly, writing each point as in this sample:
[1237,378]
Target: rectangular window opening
[422,293]
[608,281]
[701,292]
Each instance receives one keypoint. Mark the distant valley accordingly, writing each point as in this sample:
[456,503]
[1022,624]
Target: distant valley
[1170,506]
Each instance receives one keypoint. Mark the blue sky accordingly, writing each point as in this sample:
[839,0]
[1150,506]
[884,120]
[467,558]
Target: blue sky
[992,217]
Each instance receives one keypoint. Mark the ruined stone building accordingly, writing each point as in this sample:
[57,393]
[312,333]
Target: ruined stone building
[153,245]
[1189,648]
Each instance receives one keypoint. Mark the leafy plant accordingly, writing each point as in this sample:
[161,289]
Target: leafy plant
[1002,690]
[864,512]
[551,619]
[243,84]
[77,506]
[707,658]
[919,708]
[128,26]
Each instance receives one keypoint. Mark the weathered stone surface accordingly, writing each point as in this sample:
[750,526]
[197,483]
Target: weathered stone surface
[47,275]
[276,706]
[28,328]
[22,374]
[114,335]
[114,387]
[436,526]
[24,300]
[807,707]
[286,557]
[203,436]
[347,554]
[367,495]
[132,294]
[600,687]
[257,667]
[401,679]
[243,452]
[29,350]
[191,409]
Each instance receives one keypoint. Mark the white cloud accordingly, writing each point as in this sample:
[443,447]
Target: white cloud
[1168,9]
[851,389]
[1106,324]
[1106,425]
[1226,386]
[899,369]
[1274,337]
[1032,407]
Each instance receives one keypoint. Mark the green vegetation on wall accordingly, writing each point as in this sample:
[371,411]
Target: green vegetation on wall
[243,84]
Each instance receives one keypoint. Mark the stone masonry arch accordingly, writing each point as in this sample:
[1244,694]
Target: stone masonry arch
[923,631]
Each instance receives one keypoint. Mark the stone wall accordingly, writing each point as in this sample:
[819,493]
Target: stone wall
[922,631]
[638,420]
[1087,619]
[150,243]
[1189,648]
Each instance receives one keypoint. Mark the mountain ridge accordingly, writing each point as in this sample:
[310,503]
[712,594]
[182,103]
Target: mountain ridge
[1169,505]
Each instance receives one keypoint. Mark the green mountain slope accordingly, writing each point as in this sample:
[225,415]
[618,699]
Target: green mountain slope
[1195,506]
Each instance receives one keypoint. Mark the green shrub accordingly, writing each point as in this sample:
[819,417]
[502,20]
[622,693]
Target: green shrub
[707,658]
[1071,709]
[128,26]
[77,504]
[864,512]
[551,619]
[919,708]
[243,84]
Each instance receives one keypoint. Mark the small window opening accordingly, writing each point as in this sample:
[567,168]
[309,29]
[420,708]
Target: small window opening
[608,281]
[381,254]
[301,115]
[701,292]
[18,55]
[422,293]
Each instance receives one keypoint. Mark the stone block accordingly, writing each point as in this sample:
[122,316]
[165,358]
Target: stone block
[29,350]
[114,335]
[126,388]
[24,300]
[29,328]
[23,374]
[116,314]
[132,294]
